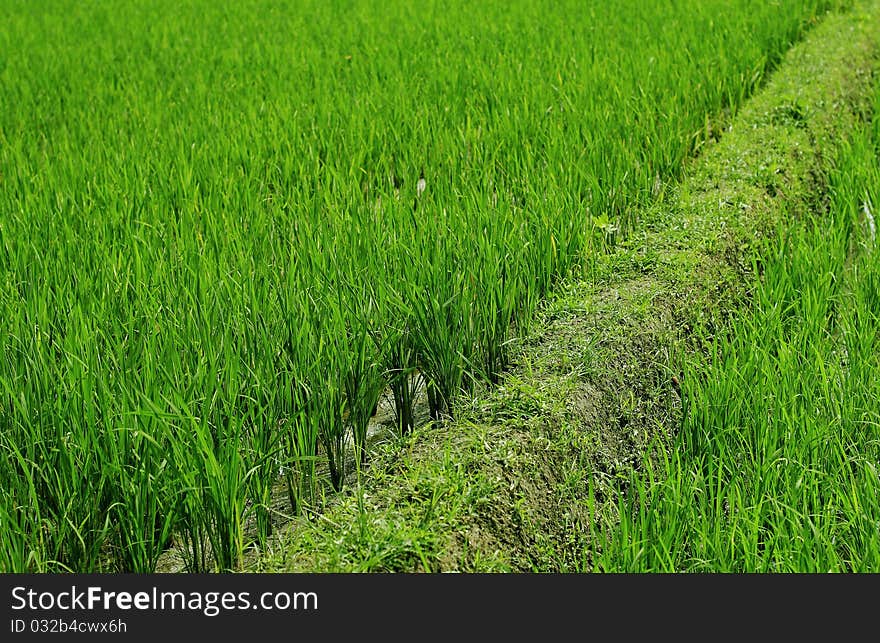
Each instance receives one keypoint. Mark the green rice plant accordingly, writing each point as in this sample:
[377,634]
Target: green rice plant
[29,545]
[440,324]
[144,513]
[327,408]
[213,504]
[261,451]
[364,380]
[403,375]
[300,455]
[396,346]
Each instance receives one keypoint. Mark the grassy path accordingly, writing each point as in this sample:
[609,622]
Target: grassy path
[598,383]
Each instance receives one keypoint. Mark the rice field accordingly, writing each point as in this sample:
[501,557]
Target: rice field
[228,228]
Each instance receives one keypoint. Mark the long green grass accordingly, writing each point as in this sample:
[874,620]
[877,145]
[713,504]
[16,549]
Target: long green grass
[777,465]
[227,227]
